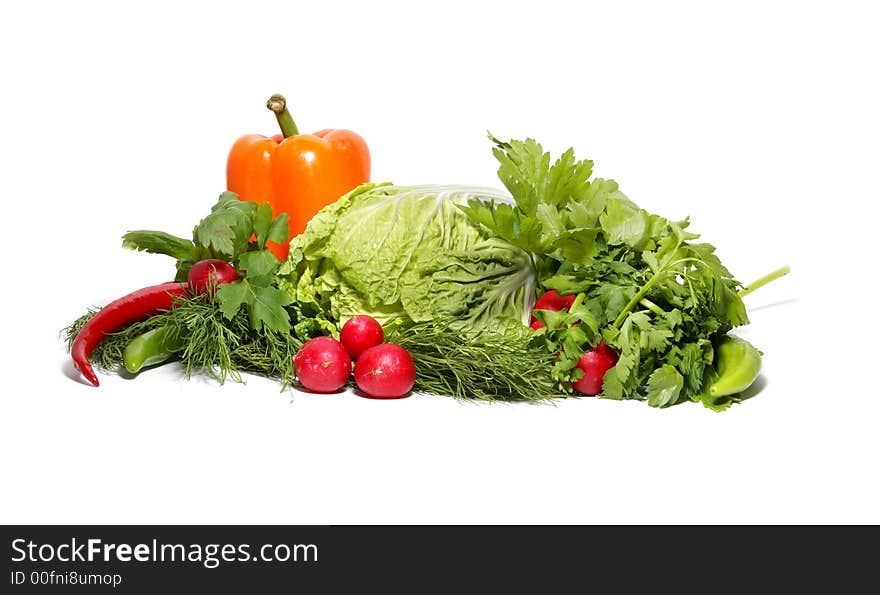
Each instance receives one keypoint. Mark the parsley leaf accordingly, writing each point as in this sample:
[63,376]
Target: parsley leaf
[267,228]
[265,304]
[624,223]
[259,266]
[227,229]
[644,285]
[556,210]
[159,242]
[235,231]
[524,166]
[664,386]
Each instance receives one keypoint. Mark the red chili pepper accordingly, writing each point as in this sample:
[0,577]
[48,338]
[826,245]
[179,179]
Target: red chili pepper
[117,314]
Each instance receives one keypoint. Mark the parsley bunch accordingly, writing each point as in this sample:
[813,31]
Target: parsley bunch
[235,231]
[645,286]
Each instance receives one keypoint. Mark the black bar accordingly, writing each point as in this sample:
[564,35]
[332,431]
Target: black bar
[416,559]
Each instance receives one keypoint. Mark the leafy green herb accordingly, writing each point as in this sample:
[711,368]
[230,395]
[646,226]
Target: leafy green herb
[159,242]
[235,231]
[556,206]
[265,304]
[645,287]
[664,385]
[565,334]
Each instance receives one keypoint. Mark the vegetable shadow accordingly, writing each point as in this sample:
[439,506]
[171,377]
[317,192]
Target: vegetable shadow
[69,370]
[774,304]
[359,393]
[755,389]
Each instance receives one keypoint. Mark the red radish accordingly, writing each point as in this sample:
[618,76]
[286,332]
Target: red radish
[551,300]
[594,363]
[359,333]
[207,274]
[385,371]
[322,365]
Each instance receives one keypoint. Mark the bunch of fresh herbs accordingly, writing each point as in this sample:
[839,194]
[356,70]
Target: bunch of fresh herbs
[235,231]
[510,366]
[646,288]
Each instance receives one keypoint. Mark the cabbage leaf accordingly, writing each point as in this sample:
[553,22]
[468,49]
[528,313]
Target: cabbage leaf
[409,253]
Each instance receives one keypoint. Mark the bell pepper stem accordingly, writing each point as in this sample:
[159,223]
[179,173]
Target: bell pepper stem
[278,105]
[764,281]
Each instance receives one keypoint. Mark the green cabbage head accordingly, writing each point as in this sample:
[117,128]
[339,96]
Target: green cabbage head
[408,253]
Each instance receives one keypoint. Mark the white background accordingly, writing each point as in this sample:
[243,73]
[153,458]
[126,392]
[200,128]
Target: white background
[759,120]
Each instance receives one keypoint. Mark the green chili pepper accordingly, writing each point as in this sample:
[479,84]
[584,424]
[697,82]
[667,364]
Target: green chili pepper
[151,348]
[737,363]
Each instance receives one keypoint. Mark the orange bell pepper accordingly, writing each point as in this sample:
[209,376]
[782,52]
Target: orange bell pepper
[297,174]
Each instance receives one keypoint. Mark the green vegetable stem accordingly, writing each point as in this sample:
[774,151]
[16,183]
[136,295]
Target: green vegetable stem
[781,272]
[153,347]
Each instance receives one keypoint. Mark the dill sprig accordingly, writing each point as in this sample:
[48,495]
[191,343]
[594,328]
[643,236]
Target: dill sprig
[226,347]
[478,366]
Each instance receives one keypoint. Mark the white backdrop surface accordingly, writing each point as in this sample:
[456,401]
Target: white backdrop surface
[758,119]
